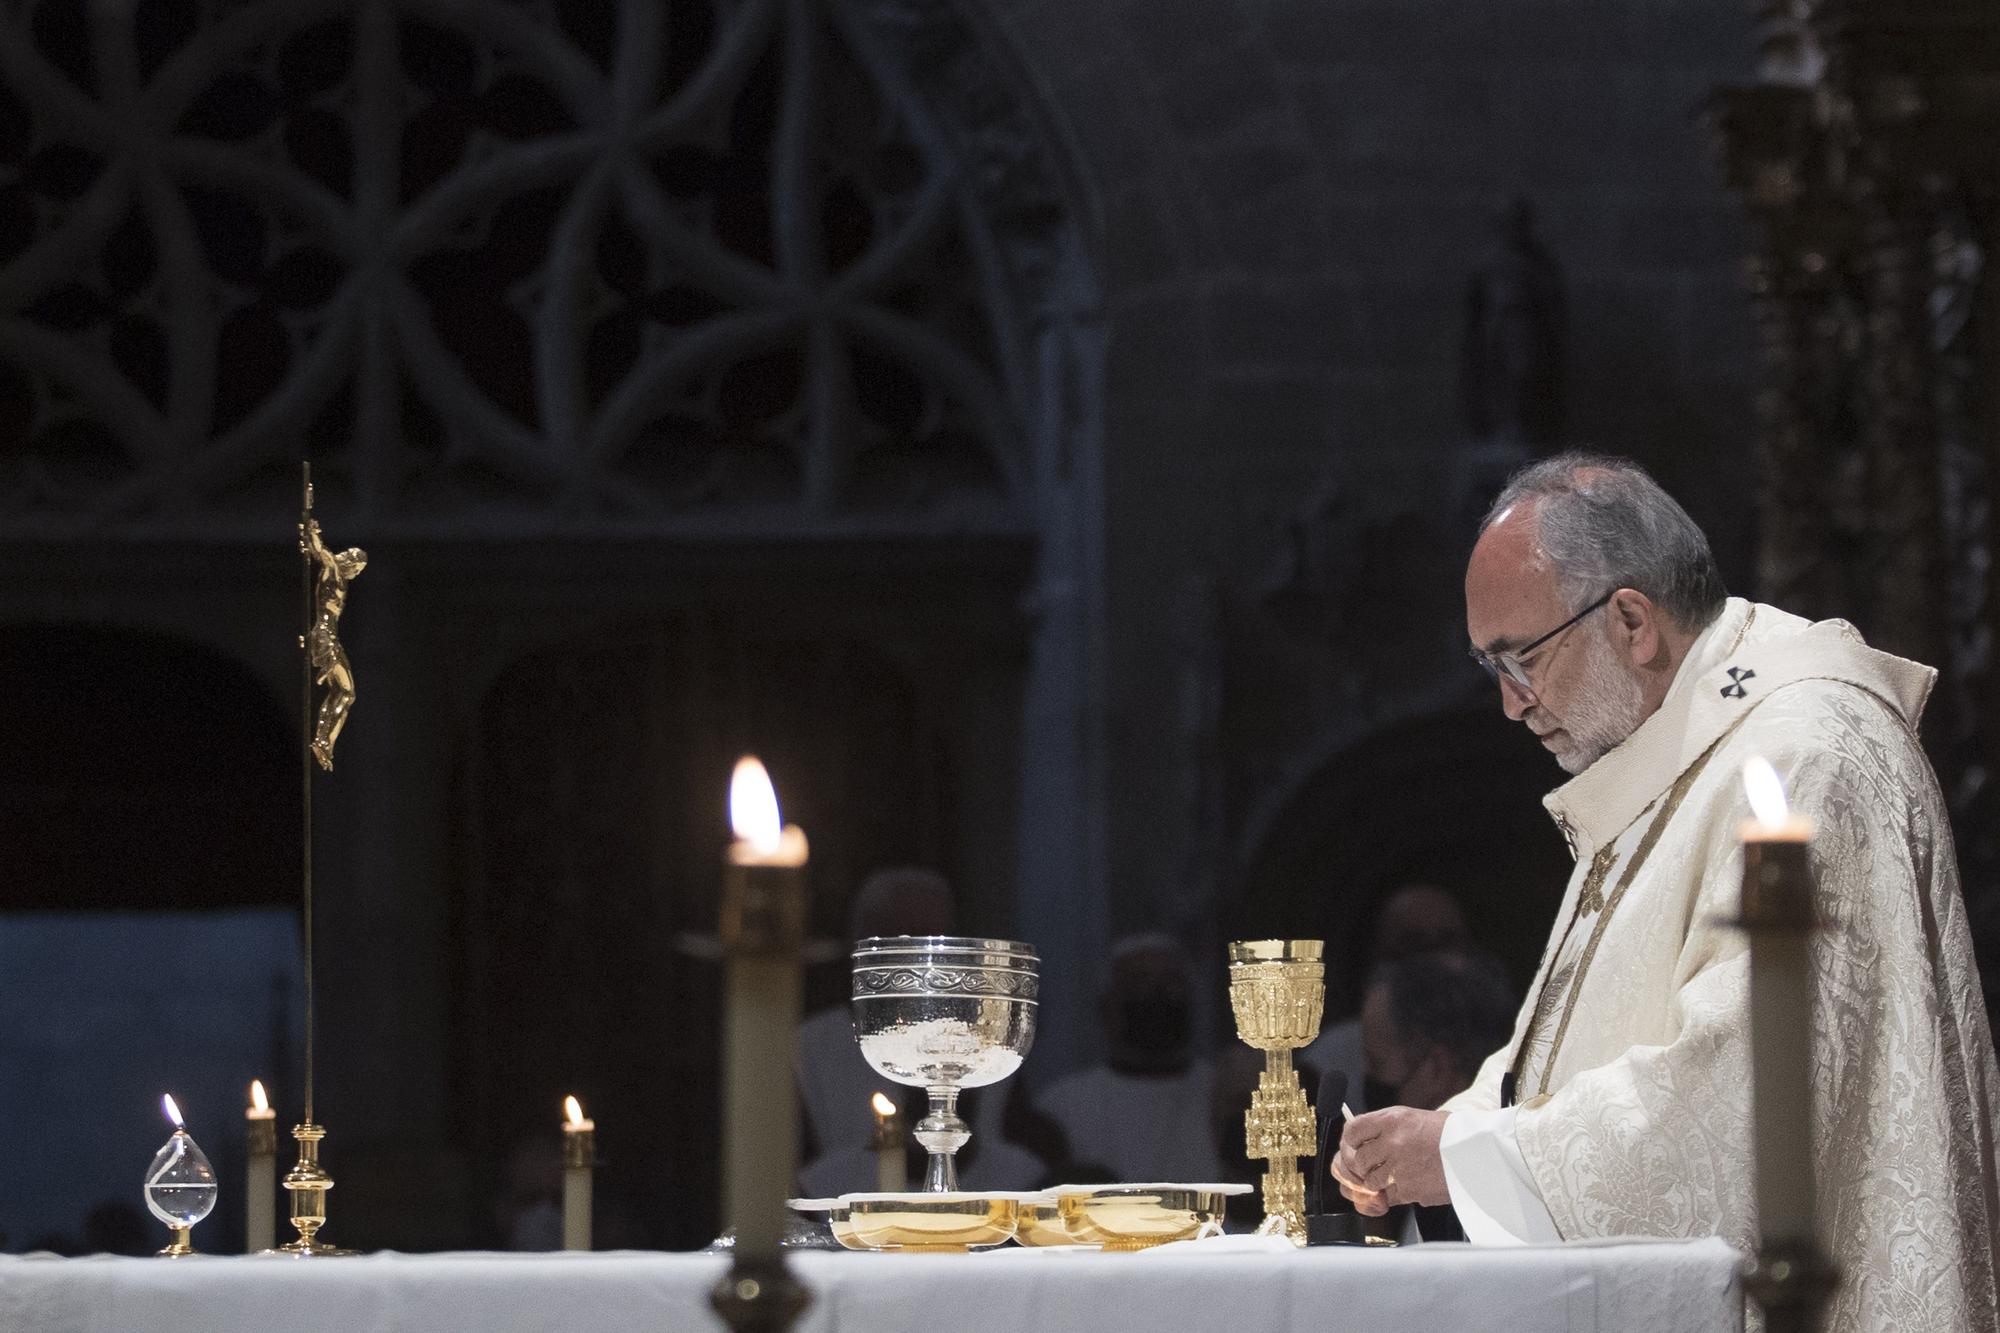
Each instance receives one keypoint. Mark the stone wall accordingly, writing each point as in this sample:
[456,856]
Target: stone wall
[1291,197]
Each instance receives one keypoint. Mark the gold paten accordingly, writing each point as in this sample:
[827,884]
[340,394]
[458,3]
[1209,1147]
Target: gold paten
[1277,989]
[1039,1223]
[924,1223]
[1139,1217]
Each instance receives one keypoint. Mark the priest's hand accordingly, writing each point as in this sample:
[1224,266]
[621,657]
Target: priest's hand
[1391,1156]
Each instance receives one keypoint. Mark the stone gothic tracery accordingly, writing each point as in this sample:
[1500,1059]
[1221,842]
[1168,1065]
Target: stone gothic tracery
[546,264]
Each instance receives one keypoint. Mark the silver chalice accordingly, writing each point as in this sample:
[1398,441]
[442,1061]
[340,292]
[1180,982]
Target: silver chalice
[942,1013]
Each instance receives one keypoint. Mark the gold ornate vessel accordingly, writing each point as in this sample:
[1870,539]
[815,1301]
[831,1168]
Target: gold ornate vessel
[1138,1217]
[925,1222]
[1277,989]
[1038,1223]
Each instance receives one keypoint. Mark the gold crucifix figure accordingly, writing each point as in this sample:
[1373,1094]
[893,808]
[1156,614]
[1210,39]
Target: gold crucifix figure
[322,639]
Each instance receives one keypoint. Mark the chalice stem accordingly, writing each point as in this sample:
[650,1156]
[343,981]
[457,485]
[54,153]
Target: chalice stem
[942,1133]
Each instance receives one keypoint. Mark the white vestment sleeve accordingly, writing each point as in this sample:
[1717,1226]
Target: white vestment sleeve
[1491,1190]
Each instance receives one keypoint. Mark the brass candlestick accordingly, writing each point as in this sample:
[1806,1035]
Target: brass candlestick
[1277,989]
[307,1184]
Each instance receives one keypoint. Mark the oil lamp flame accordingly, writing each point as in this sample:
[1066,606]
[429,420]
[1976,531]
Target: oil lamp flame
[883,1106]
[1766,792]
[257,1097]
[573,1109]
[753,806]
[173,1111]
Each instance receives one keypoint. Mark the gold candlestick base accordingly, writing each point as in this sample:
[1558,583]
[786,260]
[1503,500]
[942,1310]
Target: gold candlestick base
[759,1294]
[180,1244]
[307,1183]
[1277,989]
[1792,1281]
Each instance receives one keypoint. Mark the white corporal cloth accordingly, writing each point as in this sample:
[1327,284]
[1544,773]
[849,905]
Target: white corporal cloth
[1230,1283]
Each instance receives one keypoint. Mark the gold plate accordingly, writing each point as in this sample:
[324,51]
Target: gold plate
[1040,1223]
[936,1223]
[1137,1217]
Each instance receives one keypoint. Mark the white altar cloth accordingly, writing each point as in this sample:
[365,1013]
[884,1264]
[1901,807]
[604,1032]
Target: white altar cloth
[1210,1287]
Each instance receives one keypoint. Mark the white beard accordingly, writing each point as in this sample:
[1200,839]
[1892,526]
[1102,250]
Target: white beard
[1607,708]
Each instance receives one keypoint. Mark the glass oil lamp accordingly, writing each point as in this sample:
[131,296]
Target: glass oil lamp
[180,1184]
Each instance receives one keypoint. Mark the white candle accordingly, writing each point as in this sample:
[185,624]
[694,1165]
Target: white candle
[260,1172]
[888,1147]
[579,1157]
[763,922]
[1777,909]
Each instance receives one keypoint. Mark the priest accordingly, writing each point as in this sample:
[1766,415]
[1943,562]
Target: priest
[1620,1105]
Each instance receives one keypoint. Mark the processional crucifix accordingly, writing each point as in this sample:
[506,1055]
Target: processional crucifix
[324,577]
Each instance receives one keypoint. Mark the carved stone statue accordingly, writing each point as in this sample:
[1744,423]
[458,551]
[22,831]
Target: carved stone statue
[1513,360]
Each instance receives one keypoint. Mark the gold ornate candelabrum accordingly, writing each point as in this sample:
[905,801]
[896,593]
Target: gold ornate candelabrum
[1277,989]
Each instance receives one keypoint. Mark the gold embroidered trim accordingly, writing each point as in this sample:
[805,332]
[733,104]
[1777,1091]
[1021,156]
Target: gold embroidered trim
[1593,884]
[1592,897]
[1742,632]
[1675,795]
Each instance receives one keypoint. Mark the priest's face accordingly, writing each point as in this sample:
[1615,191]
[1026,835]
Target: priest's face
[1583,696]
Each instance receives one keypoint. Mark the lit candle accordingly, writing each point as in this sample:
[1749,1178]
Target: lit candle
[1778,913]
[180,1184]
[762,927]
[1773,818]
[579,1156]
[888,1146]
[260,1172]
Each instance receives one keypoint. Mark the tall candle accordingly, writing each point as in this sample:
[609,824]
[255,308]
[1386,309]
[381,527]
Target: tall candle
[888,1146]
[1778,913]
[260,1172]
[579,1159]
[762,928]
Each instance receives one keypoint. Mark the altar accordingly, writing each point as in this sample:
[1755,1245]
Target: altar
[1229,1282]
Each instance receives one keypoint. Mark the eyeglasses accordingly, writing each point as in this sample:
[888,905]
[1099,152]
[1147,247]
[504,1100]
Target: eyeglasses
[1511,663]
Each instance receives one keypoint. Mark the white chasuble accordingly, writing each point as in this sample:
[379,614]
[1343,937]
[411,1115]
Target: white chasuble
[1631,1053]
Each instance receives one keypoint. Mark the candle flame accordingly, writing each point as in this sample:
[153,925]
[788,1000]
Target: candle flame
[883,1106]
[173,1111]
[753,806]
[1766,792]
[573,1109]
[257,1097]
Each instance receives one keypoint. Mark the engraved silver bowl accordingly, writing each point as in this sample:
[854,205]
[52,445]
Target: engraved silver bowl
[942,1013]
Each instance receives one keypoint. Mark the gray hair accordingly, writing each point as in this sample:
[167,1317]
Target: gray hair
[1603,523]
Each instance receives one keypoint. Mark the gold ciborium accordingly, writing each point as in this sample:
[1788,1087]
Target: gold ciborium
[1278,991]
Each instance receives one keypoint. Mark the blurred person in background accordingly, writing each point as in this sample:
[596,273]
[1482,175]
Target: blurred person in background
[1145,1112]
[1416,918]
